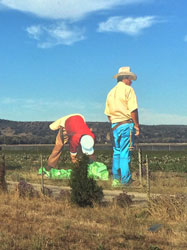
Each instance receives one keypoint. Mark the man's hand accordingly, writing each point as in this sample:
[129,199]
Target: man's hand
[74,158]
[137,130]
[109,118]
[134,116]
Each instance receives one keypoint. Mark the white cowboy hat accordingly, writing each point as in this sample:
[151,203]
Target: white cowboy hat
[87,143]
[125,71]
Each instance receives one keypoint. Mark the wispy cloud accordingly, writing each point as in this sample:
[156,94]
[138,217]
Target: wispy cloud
[36,104]
[185,38]
[8,100]
[56,34]
[35,31]
[61,9]
[128,25]
[149,117]
[20,109]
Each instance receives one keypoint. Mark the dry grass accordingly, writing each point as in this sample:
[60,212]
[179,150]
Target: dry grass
[168,182]
[45,223]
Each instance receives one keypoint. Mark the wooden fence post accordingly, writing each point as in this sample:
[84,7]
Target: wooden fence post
[148,180]
[140,165]
[3,185]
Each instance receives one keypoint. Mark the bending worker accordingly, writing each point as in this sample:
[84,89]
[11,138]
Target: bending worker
[122,111]
[74,129]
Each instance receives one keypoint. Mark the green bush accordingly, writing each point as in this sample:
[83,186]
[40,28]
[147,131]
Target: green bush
[85,191]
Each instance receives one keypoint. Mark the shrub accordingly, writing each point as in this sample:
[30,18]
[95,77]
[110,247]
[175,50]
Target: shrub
[26,190]
[123,199]
[85,190]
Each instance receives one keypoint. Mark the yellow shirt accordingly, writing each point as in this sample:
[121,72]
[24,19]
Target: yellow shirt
[120,102]
[61,122]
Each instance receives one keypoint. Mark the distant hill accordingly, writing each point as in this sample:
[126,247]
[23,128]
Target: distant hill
[12,132]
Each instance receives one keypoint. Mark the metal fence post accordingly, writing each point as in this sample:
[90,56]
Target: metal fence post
[148,180]
[42,176]
[140,165]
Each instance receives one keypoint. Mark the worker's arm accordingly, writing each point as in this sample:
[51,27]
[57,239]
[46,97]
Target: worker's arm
[109,119]
[134,116]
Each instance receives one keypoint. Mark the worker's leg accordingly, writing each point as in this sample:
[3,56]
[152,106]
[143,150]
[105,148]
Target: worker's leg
[125,153]
[61,139]
[116,155]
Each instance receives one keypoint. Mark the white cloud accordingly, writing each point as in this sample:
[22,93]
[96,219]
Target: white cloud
[148,117]
[61,10]
[129,25]
[64,9]
[56,34]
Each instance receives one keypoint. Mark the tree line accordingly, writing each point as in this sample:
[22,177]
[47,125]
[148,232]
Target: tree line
[13,132]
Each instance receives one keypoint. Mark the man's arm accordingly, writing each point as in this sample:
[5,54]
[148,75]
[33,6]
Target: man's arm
[134,115]
[109,119]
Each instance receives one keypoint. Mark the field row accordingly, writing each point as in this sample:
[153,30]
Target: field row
[168,170]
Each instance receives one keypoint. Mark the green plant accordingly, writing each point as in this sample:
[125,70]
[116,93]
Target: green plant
[85,190]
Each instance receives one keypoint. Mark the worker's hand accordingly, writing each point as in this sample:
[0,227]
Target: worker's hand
[137,130]
[74,158]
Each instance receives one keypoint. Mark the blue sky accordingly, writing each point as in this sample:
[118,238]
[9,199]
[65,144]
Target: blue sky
[59,57]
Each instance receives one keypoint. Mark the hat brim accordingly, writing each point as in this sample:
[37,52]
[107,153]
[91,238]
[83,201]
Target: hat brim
[89,151]
[132,75]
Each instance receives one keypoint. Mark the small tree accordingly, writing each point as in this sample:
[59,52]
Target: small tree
[85,190]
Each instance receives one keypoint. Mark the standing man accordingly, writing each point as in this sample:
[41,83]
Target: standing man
[122,111]
[74,129]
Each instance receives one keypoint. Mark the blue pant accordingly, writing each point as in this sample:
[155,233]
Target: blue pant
[121,152]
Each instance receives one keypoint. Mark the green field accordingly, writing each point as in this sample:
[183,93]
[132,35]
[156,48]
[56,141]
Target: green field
[163,165]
